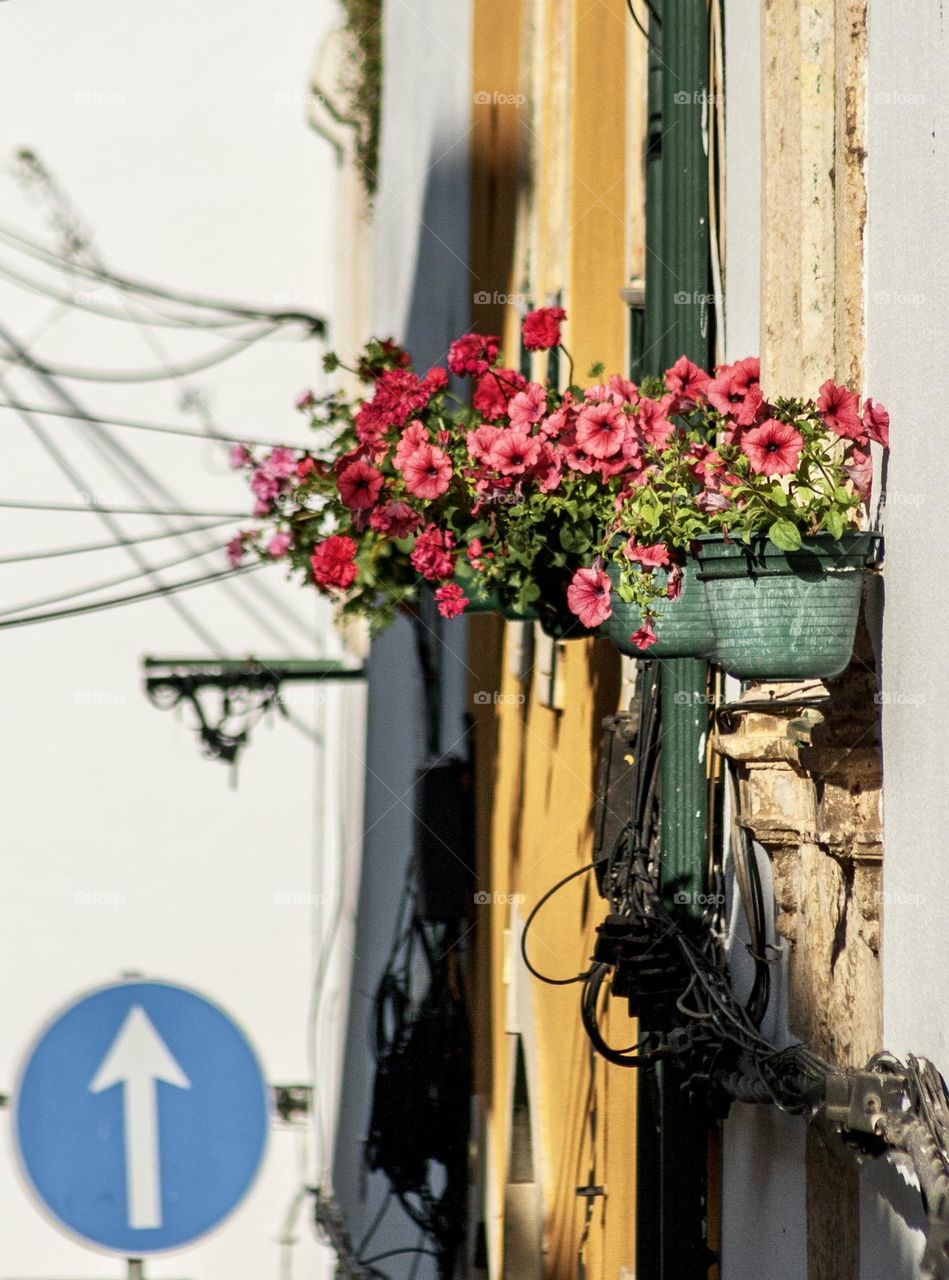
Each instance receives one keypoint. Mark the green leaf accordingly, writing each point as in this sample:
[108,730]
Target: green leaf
[786,535]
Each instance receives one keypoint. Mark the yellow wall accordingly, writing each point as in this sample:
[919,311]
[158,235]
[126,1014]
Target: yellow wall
[552,187]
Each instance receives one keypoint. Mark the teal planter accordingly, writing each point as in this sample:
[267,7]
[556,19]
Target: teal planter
[683,627]
[479,600]
[785,615]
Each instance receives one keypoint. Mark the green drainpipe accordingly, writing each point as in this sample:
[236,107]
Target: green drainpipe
[671,1134]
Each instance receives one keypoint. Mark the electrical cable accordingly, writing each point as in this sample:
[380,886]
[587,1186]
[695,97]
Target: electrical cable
[138,424]
[154,593]
[23,504]
[555,982]
[55,553]
[72,374]
[127,284]
[106,584]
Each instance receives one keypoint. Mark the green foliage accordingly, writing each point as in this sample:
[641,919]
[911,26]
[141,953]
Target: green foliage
[363,83]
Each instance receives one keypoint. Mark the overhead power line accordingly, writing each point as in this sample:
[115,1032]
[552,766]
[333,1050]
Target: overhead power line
[98,509]
[137,424]
[55,553]
[167,374]
[114,602]
[129,284]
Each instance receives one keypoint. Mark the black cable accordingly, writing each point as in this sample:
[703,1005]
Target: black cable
[632,13]
[18,504]
[130,285]
[137,424]
[555,982]
[106,584]
[55,553]
[153,594]
[142,375]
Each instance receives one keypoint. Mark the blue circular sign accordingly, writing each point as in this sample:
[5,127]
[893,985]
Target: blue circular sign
[141,1117]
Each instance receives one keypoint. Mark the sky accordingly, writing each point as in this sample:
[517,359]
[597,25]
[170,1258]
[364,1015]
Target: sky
[179,134]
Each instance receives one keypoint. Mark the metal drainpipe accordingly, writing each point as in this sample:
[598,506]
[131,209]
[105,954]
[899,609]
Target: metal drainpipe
[671,1136]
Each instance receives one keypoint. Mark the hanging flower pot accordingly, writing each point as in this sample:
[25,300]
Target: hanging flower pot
[683,627]
[479,600]
[786,615]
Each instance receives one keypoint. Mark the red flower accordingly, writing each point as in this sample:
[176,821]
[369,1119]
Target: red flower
[627,391]
[427,472]
[644,637]
[360,485]
[473,354]
[528,406]
[451,600]
[395,520]
[654,557]
[773,449]
[601,429]
[481,443]
[733,383]
[494,390]
[653,423]
[541,329]
[687,382]
[840,410]
[333,562]
[435,380]
[513,452]
[876,420]
[412,439]
[432,557]
[589,596]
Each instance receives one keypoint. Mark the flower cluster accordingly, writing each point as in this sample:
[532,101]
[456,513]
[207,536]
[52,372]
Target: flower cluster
[526,494]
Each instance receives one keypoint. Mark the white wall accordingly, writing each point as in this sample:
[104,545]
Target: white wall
[907,284]
[763,1210]
[180,132]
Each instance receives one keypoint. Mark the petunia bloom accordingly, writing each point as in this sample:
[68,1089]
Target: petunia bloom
[473,354]
[773,449]
[279,545]
[528,406]
[588,596]
[359,485]
[494,391]
[239,457]
[876,420]
[541,329]
[687,382]
[451,600]
[395,519]
[333,562]
[654,557]
[732,385]
[644,637]
[513,452]
[840,410]
[427,472]
[412,438]
[601,429]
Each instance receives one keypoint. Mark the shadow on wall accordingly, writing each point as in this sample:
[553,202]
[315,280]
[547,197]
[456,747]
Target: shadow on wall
[892,1226]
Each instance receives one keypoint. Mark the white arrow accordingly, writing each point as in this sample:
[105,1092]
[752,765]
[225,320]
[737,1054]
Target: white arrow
[138,1059]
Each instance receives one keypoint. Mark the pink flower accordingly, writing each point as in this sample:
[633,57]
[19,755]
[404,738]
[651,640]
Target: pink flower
[280,462]
[711,500]
[541,328]
[654,557]
[427,472]
[627,391]
[359,485]
[432,556]
[601,429]
[644,637]
[860,470]
[473,354]
[674,585]
[481,443]
[265,486]
[840,410]
[548,469]
[235,550]
[577,459]
[514,451]
[451,600]
[305,400]
[687,382]
[239,457]
[413,437]
[435,380]
[528,406]
[732,385]
[279,545]
[876,420]
[773,449]
[588,596]
[653,423]
[494,391]
[308,467]
[395,520]
[333,562]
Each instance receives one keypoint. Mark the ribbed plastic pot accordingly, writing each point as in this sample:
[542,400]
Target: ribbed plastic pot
[683,627]
[551,611]
[785,615]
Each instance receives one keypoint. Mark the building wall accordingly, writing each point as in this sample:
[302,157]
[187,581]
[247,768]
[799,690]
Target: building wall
[550,214]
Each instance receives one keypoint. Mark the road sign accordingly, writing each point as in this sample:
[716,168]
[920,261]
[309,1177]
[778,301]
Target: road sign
[141,1117]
